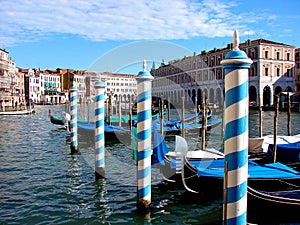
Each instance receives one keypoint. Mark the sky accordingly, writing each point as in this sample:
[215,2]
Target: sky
[115,36]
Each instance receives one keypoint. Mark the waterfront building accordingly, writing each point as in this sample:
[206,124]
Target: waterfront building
[119,87]
[50,85]
[71,77]
[297,69]
[32,88]
[8,79]
[90,79]
[272,71]
[79,80]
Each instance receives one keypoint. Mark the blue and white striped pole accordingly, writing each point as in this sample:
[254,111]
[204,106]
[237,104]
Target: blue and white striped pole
[236,65]
[99,130]
[73,121]
[144,120]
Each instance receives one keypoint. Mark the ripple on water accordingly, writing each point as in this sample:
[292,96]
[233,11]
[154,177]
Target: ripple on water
[42,183]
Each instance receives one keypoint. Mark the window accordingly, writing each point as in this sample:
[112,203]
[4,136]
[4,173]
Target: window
[278,55]
[252,72]
[288,56]
[278,71]
[288,72]
[266,71]
[266,54]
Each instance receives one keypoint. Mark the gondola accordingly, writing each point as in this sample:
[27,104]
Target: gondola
[112,134]
[274,206]
[175,128]
[207,177]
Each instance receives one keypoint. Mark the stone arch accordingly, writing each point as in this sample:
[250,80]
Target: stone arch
[218,96]
[211,95]
[199,98]
[252,94]
[267,96]
[193,96]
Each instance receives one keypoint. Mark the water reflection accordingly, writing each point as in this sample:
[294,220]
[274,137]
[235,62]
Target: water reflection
[42,183]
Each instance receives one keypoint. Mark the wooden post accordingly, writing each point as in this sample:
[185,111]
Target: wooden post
[120,113]
[289,115]
[225,193]
[88,110]
[84,108]
[182,117]
[196,110]
[161,116]
[203,133]
[169,109]
[109,109]
[259,117]
[130,114]
[275,127]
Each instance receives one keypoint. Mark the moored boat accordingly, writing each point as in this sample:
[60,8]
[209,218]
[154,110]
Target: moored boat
[207,177]
[111,133]
[64,120]
[17,112]
[175,128]
[274,206]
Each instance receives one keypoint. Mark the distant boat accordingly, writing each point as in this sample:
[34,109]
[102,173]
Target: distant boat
[175,128]
[126,118]
[17,112]
[65,120]
[193,116]
[111,133]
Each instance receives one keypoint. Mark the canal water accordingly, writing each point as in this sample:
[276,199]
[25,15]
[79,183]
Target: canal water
[42,183]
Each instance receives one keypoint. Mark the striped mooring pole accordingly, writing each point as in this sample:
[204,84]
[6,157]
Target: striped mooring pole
[73,122]
[99,130]
[144,120]
[236,65]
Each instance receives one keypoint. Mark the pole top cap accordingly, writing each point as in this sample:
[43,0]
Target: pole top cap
[236,56]
[144,73]
[99,84]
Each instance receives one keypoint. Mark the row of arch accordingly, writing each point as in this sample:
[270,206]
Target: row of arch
[213,96]
[216,96]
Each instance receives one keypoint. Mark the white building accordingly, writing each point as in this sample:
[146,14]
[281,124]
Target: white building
[50,84]
[8,78]
[271,72]
[119,86]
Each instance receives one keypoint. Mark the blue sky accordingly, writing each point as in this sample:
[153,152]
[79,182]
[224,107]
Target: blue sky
[116,36]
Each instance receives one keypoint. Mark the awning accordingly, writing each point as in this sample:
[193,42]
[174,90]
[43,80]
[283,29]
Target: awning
[46,84]
[51,92]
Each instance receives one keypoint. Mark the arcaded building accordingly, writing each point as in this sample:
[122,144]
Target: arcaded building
[272,71]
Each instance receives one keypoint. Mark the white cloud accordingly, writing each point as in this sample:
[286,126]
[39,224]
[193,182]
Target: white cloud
[118,20]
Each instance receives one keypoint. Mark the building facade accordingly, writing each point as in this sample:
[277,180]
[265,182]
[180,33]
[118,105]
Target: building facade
[9,90]
[272,71]
[122,87]
[297,69]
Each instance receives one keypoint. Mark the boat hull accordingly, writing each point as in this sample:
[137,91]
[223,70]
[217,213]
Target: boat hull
[17,112]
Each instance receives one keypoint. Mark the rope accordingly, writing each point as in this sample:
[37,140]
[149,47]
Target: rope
[268,197]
